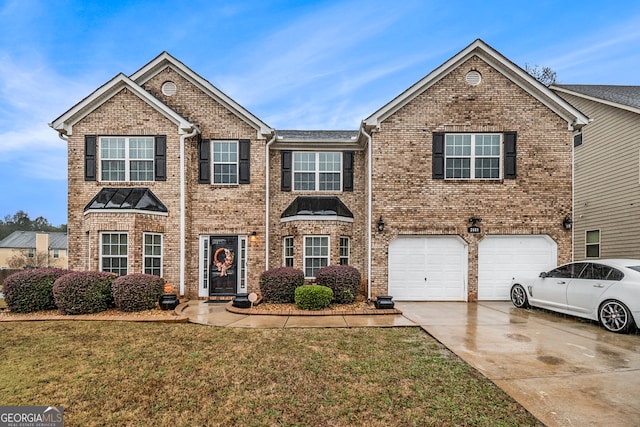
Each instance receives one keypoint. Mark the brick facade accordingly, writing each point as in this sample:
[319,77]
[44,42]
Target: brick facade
[403,191]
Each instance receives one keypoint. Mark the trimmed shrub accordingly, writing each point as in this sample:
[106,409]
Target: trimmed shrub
[279,284]
[31,290]
[137,292]
[313,297]
[343,280]
[84,292]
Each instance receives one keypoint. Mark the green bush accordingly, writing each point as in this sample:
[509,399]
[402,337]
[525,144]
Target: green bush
[31,290]
[313,297]
[84,292]
[279,284]
[137,292]
[343,280]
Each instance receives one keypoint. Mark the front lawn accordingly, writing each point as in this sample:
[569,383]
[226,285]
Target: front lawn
[117,373]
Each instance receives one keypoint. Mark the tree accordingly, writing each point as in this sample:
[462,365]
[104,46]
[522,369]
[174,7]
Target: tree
[21,259]
[544,75]
[20,221]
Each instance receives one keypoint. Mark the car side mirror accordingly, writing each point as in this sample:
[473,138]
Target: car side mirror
[544,274]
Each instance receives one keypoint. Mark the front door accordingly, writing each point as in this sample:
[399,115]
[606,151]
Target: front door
[223,267]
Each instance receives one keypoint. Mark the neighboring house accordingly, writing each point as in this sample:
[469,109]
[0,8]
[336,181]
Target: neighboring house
[34,249]
[607,164]
[169,176]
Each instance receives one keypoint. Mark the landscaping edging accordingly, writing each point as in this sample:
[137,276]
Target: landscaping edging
[296,312]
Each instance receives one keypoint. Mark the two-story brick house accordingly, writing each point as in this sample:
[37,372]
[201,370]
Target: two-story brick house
[168,175]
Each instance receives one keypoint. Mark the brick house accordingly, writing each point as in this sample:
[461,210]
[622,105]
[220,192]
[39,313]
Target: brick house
[168,175]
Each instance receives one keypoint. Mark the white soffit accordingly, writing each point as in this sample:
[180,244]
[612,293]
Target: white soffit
[166,60]
[64,123]
[492,57]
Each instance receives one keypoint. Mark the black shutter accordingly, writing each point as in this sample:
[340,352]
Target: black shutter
[160,156]
[204,161]
[577,139]
[90,157]
[243,166]
[347,171]
[510,155]
[437,162]
[285,183]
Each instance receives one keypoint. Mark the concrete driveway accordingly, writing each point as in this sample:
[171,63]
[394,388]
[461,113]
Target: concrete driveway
[565,371]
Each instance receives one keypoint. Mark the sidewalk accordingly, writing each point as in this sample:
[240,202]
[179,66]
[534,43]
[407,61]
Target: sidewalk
[213,314]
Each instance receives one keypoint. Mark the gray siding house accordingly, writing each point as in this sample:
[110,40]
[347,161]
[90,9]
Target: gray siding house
[606,171]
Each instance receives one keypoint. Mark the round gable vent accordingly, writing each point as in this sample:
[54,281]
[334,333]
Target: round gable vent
[473,78]
[169,88]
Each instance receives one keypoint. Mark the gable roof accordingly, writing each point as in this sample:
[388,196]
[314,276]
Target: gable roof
[27,239]
[64,123]
[625,97]
[517,75]
[165,60]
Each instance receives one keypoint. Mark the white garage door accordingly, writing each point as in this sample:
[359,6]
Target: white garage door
[428,268]
[500,258]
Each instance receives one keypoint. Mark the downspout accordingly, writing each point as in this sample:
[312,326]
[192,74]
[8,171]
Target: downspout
[266,207]
[183,138]
[369,208]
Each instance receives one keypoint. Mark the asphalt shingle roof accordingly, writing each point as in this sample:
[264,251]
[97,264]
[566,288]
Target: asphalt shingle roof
[317,135]
[624,95]
[27,239]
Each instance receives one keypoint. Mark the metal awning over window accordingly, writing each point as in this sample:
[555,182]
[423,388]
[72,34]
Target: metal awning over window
[317,208]
[119,199]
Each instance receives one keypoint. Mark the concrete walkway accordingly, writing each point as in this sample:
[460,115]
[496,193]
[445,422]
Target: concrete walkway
[215,314]
[564,370]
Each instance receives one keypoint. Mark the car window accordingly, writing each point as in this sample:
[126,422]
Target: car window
[567,271]
[634,267]
[594,271]
[615,275]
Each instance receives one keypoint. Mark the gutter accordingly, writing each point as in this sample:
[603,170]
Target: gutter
[369,208]
[183,138]
[266,206]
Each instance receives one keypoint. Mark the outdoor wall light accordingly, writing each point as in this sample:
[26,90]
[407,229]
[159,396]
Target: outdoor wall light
[254,236]
[567,223]
[380,224]
[475,220]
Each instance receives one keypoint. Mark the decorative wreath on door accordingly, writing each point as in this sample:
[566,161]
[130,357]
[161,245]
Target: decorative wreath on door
[224,265]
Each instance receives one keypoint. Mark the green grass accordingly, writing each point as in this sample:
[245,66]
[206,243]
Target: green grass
[116,373]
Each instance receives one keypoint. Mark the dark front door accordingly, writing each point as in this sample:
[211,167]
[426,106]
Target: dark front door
[224,266]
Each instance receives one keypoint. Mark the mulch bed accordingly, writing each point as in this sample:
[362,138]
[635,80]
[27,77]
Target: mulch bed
[154,315]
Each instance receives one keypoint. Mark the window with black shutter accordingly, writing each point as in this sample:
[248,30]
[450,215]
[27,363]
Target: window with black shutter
[347,171]
[285,176]
[90,157]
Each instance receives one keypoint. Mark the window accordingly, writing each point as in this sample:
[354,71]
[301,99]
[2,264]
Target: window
[601,272]
[127,158]
[317,171]
[593,244]
[472,156]
[567,271]
[113,253]
[344,251]
[316,254]
[225,162]
[288,251]
[56,253]
[31,253]
[152,254]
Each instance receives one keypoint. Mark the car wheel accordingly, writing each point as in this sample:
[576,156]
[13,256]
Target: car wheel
[615,316]
[519,297]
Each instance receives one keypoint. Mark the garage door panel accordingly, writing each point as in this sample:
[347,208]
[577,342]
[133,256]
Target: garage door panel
[428,268]
[500,258]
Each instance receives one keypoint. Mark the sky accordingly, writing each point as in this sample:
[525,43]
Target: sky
[293,64]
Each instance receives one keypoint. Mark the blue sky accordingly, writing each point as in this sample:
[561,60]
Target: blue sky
[294,64]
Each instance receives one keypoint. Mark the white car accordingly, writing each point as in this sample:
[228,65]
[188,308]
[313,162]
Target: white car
[605,290]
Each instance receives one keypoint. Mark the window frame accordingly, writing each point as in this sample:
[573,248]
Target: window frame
[56,253]
[588,244]
[103,256]
[215,142]
[344,250]
[152,256]
[473,156]
[128,159]
[288,244]
[307,258]
[317,172]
